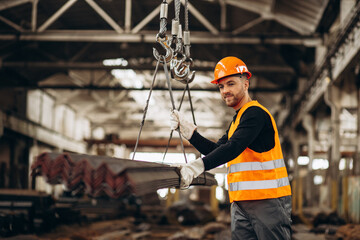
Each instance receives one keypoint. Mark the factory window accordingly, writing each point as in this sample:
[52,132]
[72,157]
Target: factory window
[291,163]
[318,179]
[342,164]
[98,133]
[346,163]
[319,163]
[222,185]
[116,62]
[348,123]
[127,78]
[220,194]
[303,160]
[351,164]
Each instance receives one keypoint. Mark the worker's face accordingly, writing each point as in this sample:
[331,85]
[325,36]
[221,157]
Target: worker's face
[233,90]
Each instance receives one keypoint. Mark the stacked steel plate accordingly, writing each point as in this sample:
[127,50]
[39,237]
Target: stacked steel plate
[114,177]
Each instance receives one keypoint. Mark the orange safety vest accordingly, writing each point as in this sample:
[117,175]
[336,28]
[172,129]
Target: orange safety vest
[253,175]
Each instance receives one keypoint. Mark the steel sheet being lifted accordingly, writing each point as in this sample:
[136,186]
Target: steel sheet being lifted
[106,176]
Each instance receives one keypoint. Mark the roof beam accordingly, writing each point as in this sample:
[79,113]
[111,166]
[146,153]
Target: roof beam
[266,13]
[56,15]
[310,4]
[5,4]
[100,65]
[128,7]
[76,79]
[34,15]
[105,16]
[250,6]
[307,14]
[201,18]
[120,88]
[247,26]
[149,37]
[11,24]
[147,19]
[223,15]
[294,24]
[81,52]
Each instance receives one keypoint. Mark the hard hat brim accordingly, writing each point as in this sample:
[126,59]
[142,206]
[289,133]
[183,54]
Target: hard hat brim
[216,81]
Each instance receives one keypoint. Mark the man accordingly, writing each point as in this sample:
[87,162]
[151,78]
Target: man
[259,188]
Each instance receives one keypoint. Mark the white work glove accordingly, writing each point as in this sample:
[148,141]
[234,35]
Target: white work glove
[190,171]
[186,128]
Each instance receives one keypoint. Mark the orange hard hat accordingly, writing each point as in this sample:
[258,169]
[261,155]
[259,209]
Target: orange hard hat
[229,66]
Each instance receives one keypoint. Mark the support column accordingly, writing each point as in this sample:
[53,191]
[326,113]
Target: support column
[1,125]
[356,162]
[308,123]
[296,194]
[214,203]
[332,100]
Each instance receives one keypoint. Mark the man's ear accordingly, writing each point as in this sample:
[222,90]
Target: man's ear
[247,84]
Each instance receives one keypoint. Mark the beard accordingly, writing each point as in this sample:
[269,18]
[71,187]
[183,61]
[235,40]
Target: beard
[231,100]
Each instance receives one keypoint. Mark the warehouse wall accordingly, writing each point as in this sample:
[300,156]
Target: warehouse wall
[32,122]
[43,109]
[13,101]
[329,126]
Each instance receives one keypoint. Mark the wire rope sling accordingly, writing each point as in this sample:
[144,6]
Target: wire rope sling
[176,53]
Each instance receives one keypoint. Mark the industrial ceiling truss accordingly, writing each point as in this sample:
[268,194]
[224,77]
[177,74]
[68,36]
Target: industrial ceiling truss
[97,54]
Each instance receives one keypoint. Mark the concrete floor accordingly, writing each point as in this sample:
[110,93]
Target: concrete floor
[123,229]
[302,232]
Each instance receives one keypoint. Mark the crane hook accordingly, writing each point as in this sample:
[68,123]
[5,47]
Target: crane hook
[169,52]
[190,77]
[180,70]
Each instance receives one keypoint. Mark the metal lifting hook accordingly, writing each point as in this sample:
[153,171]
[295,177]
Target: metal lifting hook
[169,52]
[180,70]
[190,77]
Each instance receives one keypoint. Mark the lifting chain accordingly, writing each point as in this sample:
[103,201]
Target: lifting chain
[176,31]
[161,38]
[180,63]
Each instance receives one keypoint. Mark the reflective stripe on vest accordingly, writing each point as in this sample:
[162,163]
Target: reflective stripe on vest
[253,175]
[253,185]
[252,166]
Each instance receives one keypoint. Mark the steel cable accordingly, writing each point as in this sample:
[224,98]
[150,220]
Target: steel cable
[186,16]
[146,107]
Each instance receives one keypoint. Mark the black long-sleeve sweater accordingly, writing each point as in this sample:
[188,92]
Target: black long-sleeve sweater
[254,131]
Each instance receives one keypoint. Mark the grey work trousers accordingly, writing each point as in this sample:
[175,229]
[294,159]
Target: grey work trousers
[268,219]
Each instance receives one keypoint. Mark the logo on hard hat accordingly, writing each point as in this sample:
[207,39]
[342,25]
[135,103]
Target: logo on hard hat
[241,69]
